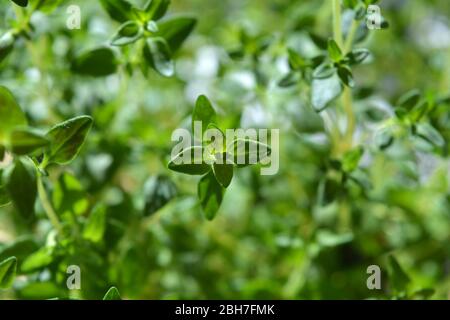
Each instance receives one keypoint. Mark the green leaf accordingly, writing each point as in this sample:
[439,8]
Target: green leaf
[22,3]
[26,141]
[158,55]
[10,114]
[399,279]
[66,139]
[204,112]
[296,62]
[4,196]
[156,9]
[325,91]
[119,10]
[210,194]
[346,76]
[289,80]
[409,100]
[351,159]
[427,132]
[357,56]
[21,187]
[190,161]
[6,45]
[158,191]
[69,197]
[334,51]
[47,6]
[384,138]
[176,30]
[324,71]
[95,225]
[329,239]
[129,32]
[223,171]
[37,260]
[112,294]
[247,152]
[98,62]
[8,269]
[20,248]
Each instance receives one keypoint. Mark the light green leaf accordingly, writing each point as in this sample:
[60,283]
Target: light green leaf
[95,225]
[66,139]
[112,294]
[37,260]
[210,194]
[334,51]
[247,152]
[8,269]
[324,91]
[351,159]
[427,132]
[158,55]
[26,141]
[10,114]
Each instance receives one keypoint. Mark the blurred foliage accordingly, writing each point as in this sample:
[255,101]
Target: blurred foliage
[364,142]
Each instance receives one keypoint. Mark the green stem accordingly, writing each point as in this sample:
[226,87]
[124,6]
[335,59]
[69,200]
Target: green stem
[46,204]
[337,22]
[351,36]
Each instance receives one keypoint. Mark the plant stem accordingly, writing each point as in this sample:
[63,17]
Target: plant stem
[337,23]
[46,204]
[351,36]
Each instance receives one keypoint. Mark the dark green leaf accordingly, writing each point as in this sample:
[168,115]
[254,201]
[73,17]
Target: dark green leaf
[8,269]
[6,45]
[176,30]
[21,186]
[156,9]
[119,10]
[210,194]
[158,55]
[247,152]
[98,62]
[296,62]
[128,32]
[203,112]
[158,191]
[409,100]
[324,71]
[22,3]
[26,141]
[190,161]
[112,294]
[66,139]
[357,56]
[292,78]
[223,170]
[346,76]
[399,279]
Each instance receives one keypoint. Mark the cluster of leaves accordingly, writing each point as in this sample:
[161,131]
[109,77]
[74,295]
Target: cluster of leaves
[156,39]
[216,164]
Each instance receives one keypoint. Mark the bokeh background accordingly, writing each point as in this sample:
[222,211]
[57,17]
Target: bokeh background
[299,234]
